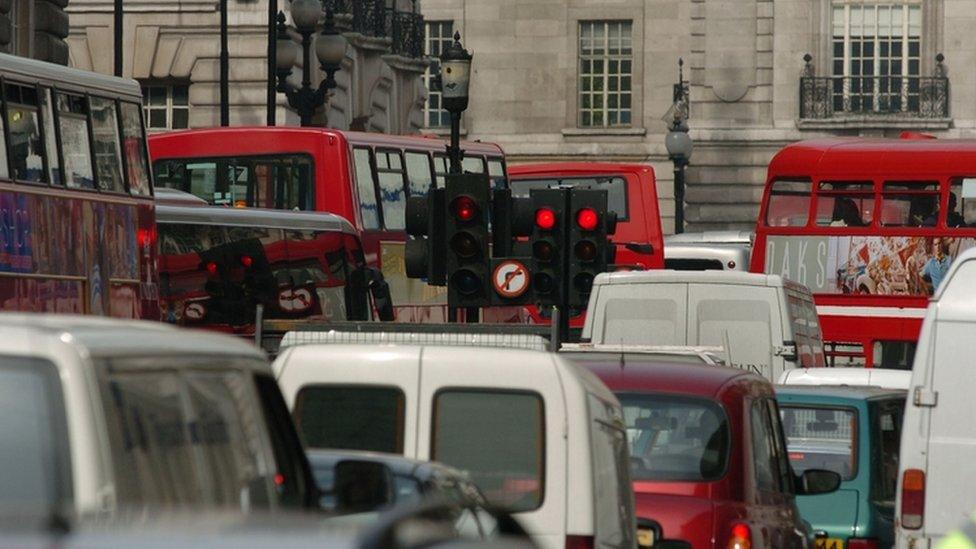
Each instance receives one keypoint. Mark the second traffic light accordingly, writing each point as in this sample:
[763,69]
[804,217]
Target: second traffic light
[466,215]
[589,245]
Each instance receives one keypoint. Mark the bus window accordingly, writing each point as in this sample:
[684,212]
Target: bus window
[788,204]
[27,160]
[910,204]
[419,173]
[75,147]
[50,140]
[367,192]
[845,204]
[390,174]
[496,170]
[282,182]
[473,164]
[440,168]
[137,165]
[616,188]
[962,202]
[108,149]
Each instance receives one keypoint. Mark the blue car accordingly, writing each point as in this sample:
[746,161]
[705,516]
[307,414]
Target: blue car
[855,432]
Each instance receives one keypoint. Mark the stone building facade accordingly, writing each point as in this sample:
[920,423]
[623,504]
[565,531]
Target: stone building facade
[593,80]
[173,48]
[35,28]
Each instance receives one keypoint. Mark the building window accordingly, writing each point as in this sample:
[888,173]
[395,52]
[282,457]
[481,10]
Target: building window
[876,51]
[606,63]
[167,107]
[21,17]
[439,37]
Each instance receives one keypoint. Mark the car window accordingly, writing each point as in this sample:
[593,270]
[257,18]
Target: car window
[821,438]
[675,438]
[498,437]
[886,422]
[184,437]
[351,417]
[34,456]
[783,469]
[764,465]
[611,475]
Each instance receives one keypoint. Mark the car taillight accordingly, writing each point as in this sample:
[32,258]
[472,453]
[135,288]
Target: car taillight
[579,542]
[862,543]
[741,537]
[912,498]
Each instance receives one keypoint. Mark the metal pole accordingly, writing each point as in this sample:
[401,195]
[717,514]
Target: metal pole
[272,55]
[679,196]
[454,151]
[307,109]
[118,37]
[224,68]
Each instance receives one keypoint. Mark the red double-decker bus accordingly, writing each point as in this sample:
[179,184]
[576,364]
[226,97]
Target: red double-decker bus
[77,232]
[363,177]
[870,226]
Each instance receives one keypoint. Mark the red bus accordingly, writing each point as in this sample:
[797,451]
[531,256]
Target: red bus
[363,177]
[218,264]
[77,232]
[631,193]
[870,226]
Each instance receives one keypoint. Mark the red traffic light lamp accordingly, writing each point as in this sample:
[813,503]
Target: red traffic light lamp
[545,219]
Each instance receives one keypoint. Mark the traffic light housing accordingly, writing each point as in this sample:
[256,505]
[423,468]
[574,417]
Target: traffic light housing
[466,213]
[546,245]
[589,248]
[424,254]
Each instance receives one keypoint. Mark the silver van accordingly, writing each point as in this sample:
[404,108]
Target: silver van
[708,251]
[98,415]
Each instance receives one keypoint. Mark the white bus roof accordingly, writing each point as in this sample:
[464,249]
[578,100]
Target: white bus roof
[876,377]
[171,213]
[104,337]
[22,69]
[664,276]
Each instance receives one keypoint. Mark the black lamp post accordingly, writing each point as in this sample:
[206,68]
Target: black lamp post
[330,49]
[455,77]
[679,146]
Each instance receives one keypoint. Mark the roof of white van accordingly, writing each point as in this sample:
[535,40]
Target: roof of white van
[693,277]
[100,336]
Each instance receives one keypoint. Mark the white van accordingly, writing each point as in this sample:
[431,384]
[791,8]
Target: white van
[936,486]
[540,436]
[708,251]
[886,378]
[97,415]
[766,323]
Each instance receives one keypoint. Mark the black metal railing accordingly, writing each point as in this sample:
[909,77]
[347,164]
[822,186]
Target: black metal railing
[340,7]
[408,34]
[371,18]
[823,97]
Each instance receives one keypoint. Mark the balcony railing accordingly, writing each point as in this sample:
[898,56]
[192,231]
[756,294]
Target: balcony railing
[408,34]
[340,6]
[824,97]
[371,18]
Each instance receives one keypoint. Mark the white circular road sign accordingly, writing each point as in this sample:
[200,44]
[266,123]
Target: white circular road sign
[510,278]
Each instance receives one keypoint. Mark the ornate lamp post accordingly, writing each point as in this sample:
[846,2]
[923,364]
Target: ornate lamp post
[330,49]
[455,77]
[679,146]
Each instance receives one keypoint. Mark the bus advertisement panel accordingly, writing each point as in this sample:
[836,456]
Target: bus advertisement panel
[871,227]
[363,177]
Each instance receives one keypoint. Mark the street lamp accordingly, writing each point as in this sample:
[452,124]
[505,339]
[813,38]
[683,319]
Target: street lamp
[679,146]
[455,77]
[330,49]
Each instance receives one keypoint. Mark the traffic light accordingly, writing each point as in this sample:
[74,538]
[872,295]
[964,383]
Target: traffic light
[466,233]
[589,246]
[546,240]
[424,253]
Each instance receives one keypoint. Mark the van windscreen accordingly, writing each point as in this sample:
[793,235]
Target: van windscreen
[350,417]
[34,456]
[675,438]
[615,186]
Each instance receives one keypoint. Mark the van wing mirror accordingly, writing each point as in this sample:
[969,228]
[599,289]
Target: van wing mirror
[362,486]
[817,481]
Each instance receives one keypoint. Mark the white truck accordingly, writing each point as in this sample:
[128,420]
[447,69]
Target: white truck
[765,323]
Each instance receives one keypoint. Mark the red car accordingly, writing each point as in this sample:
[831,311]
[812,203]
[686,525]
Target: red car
[708,458]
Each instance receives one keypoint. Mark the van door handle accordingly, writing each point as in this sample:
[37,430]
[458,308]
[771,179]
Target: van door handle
[639,247]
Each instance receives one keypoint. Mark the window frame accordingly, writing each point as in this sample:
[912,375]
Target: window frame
[871,194]
[94,155]
[886,195]
[543,431]
[404,181]
[168,107]
[377,199]
[428,76]
[143,147]
[626,178]
[855,429]
[44,182]
[606,75]
[58,130]
[770,192]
